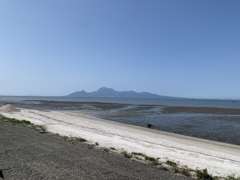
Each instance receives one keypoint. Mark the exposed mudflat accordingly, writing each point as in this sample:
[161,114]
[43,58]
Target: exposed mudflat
[26,154]
[206,110]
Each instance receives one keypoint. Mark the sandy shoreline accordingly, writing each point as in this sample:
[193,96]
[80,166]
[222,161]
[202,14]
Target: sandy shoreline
[26,153]
[219,158]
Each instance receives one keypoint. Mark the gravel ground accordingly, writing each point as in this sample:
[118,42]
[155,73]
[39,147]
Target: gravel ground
[26,154]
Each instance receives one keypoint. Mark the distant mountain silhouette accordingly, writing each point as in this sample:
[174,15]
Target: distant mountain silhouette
[111,93]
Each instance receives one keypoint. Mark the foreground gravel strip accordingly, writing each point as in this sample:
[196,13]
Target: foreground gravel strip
[25,154]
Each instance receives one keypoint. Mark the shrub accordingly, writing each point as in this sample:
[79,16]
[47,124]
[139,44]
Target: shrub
[203,175]
[232,178]
[171,163]
[147,158]
[73,140]
[127,155]
[138,154]
[113,149]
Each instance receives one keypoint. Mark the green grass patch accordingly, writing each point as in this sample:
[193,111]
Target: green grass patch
[232,178]
[112,148]
[203,175]
[24,123]
[106,150]
[138,154]
[127,155]
[171,163]
[74,140]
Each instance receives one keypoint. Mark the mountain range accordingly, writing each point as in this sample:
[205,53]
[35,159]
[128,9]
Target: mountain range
[111,93]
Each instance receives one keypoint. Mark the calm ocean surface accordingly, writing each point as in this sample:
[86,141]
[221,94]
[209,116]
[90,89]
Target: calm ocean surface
[168,102]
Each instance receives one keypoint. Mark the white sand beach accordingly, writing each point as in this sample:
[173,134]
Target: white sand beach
[219,158]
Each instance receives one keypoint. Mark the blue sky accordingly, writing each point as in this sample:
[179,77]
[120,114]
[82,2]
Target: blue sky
[178,48]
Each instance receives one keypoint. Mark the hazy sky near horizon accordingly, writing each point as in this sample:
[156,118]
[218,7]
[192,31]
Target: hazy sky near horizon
[179,48]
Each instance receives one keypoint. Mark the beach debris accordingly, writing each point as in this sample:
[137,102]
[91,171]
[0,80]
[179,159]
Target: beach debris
[149,125]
